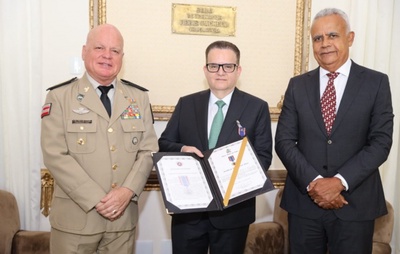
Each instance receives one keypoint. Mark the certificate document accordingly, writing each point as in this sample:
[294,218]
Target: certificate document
[225,176]
[250,177]
[184,182]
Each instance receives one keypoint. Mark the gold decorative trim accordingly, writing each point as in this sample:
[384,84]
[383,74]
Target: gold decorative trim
[102,13]
[97,12]
[46,194]
[302,32]
[91,13]
[164,112]
[301,59]
[303,16]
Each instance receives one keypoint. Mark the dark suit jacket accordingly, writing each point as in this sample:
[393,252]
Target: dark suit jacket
[188,126]
[360,142]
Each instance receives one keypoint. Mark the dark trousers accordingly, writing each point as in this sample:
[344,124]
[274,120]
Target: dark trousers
[329,233]
[202,237]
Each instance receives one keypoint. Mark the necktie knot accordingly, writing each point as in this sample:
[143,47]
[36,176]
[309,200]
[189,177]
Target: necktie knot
[105,89]
[220,104]
[332,75]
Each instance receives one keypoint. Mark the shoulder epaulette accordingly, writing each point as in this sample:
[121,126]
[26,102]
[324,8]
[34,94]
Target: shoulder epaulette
[62,84]
[126,82]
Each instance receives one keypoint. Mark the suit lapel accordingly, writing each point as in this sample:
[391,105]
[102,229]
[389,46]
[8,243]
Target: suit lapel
[313,92]
[236,107]
[353,85]
[201,111]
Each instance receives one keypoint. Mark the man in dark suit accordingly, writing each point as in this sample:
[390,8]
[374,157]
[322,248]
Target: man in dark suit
[188,131]
[333,191]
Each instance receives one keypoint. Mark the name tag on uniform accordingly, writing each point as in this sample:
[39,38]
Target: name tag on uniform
[81,121]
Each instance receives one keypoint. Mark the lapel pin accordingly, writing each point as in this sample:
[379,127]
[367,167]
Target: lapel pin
[241,129]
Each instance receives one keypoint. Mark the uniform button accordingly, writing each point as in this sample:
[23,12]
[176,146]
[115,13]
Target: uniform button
[113,185]
[112,148]
[133,127]
[114,167]
[80,141]
[110,130]
[330,142]
[82,128]
[325,167]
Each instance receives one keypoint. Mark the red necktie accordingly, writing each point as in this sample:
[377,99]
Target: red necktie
[328,103]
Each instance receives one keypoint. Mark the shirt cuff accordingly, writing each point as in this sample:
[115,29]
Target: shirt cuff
[344,183]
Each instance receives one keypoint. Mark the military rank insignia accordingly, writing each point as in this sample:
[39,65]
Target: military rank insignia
[46,110]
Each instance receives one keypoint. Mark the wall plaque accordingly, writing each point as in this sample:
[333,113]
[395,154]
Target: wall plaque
[203,20]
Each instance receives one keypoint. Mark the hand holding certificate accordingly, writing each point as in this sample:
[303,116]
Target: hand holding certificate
[226,176]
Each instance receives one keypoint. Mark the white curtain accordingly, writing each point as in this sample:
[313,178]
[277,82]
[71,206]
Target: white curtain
[20,105]
[377,25]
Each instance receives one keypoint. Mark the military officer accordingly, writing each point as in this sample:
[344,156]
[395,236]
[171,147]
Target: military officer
[99,155]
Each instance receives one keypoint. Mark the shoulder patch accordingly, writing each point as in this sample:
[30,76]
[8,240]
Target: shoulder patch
[126,82]
[62,84]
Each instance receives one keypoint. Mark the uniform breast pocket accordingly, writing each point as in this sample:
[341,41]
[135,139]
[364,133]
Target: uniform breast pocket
[81,136]
[133,132]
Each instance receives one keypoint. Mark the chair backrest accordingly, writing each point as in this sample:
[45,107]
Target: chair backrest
[383,231]
[280,217]
[9,220]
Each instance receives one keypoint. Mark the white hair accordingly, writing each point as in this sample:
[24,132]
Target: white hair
[334,11]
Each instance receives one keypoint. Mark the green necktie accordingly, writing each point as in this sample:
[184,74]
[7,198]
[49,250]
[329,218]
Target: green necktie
[216,125]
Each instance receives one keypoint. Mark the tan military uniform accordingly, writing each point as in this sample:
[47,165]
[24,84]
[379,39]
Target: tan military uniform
[89,153]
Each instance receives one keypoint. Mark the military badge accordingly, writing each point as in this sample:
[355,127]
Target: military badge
[81,111]
[46,110]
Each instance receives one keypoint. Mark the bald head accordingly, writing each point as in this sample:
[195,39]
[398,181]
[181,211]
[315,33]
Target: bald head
[104,28]
[103,53]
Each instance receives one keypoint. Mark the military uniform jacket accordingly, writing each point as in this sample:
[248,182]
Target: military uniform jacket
[88,153]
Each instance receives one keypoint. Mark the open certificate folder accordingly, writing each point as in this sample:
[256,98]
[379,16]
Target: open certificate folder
[226,176]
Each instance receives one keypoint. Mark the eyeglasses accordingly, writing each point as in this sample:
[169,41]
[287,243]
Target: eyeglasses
[228,68]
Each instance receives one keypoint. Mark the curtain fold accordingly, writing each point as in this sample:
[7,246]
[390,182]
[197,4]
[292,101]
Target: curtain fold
[20,80]
[377,24]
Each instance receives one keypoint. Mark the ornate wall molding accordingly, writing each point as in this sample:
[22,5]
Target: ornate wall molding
[98,15]
[164,112]
[97,12]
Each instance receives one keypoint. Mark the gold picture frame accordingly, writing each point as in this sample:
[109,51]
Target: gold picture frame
[98,15]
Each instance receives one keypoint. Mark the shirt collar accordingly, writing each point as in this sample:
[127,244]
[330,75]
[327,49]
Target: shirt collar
[226,99]
[343,70]
[95,84]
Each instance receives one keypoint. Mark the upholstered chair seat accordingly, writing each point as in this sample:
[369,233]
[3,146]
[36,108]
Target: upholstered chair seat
[13,240]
